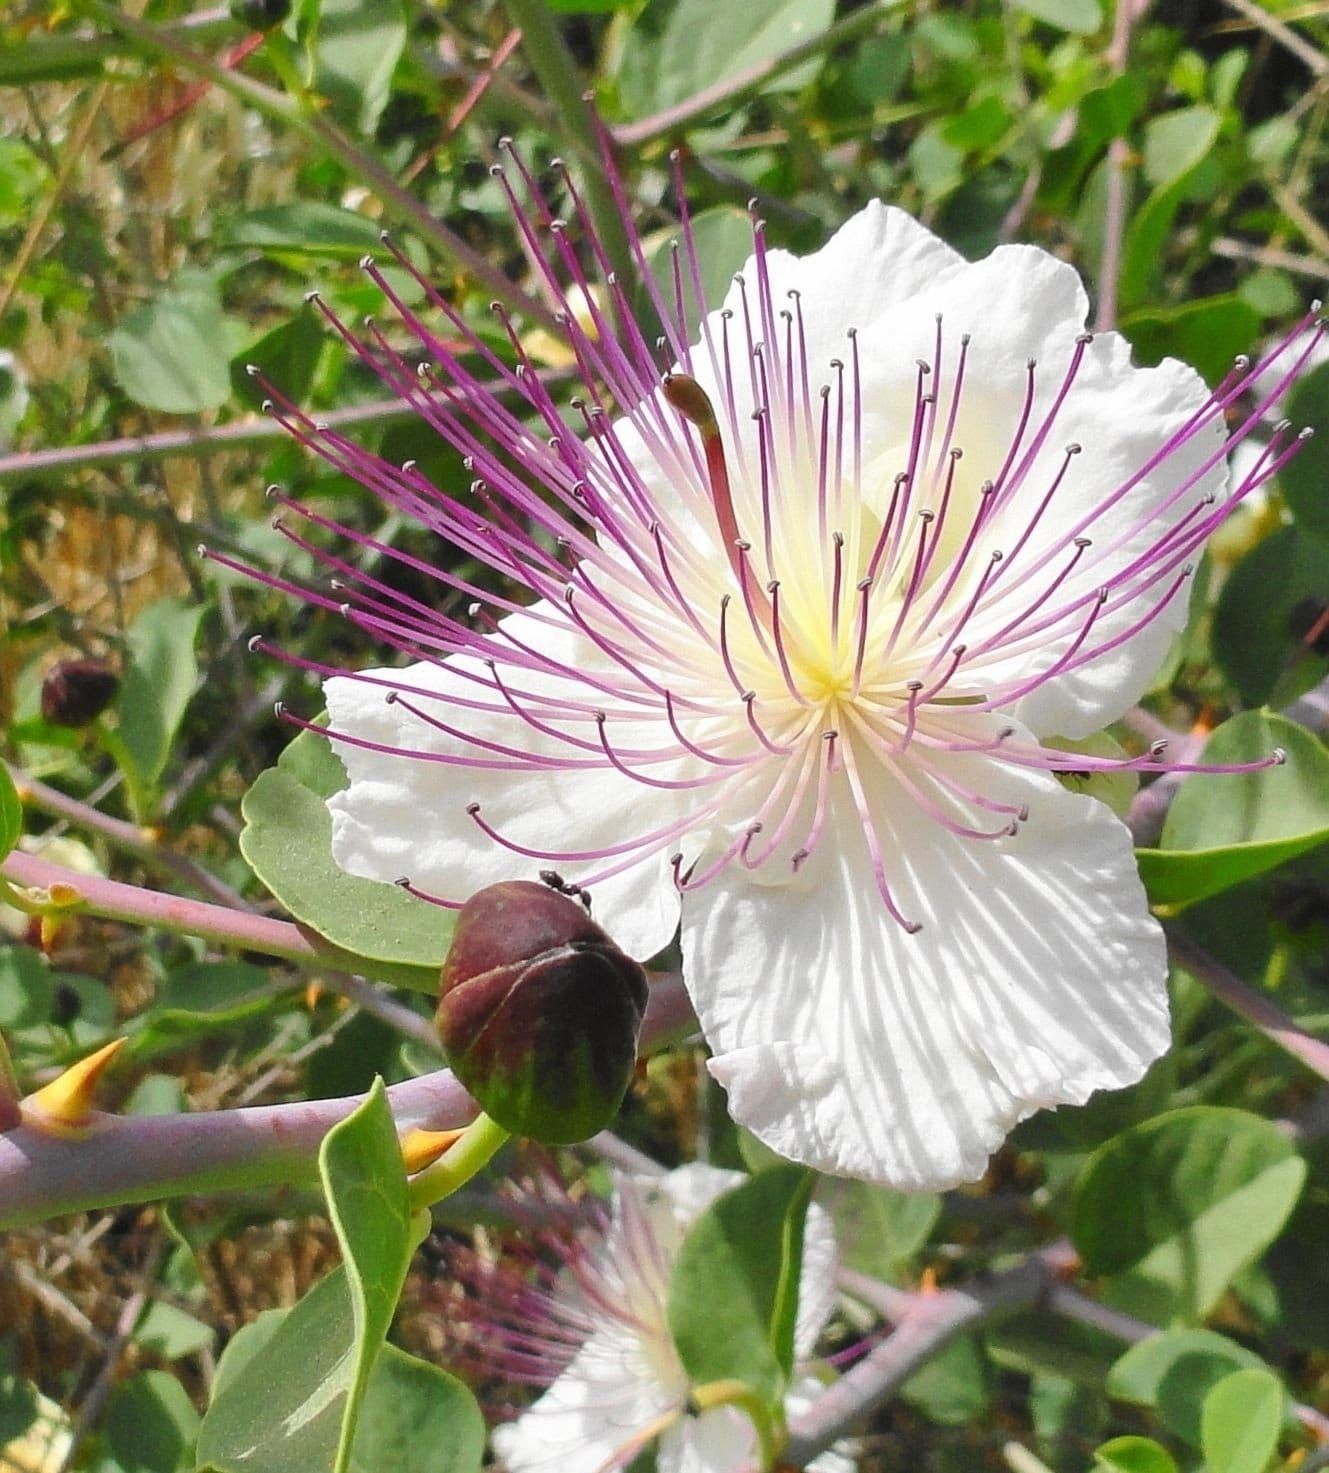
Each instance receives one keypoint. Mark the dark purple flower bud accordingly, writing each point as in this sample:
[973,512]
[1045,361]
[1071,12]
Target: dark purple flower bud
[76,692]
[539,1012]
[260,15]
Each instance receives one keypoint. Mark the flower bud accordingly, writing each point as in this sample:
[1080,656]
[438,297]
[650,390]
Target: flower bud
[76,692]
[539,1012]
[260,15]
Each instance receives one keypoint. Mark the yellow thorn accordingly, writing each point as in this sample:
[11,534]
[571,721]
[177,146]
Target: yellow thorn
[65,1105]
[49,930]
[421,1148]
[927,1281]
[63,894]
[313,991]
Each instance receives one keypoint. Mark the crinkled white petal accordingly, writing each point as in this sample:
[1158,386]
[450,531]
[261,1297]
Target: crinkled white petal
[598,1409]
[847,1044]
[1018,304]
[399,817]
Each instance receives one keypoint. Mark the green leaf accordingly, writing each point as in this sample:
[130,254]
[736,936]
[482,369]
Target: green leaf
[1240,1422]
[1080,17]
[303,227]
[877,1230]
[953,1388]
[287,842]
[1173,1373]
[292,1405]
[733,1297]
[1133,1455]
[151,1425]
[281,1410]
[365,1181]
[1146,241]
[158,683]
[1255,633]
[359,45]
[1175,1208]
[1208,334]
[286,356]
[1305,476]
[171,1333]
[723,237]
[675,51]
[1224,828]
[203,998]
[1177,141]
[11,812]
[416,1418]
[173,353]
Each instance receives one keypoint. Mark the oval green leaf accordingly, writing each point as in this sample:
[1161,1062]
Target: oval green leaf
[11,812]
[1172,1374]
[287,842]
[1133,1455]
[172,354]
[1175,1208]
[1256,634]
[1240,1422]
[294,1403]
[1224,829]
[733,1298]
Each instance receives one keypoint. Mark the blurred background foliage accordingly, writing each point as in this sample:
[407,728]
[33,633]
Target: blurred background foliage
[173,181]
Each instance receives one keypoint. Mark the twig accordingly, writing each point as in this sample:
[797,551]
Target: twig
[237,436]
[1286,37]
[142,1158]
[128,837]
[91,1405]
[557,73]
[1232,249]
[225,925]
[742,84]
[324,132]
[928,1324]
[1257,1010]
[1115,206]
[1069,1303]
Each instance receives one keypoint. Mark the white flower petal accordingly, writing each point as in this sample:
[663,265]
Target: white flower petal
[1019,304]
[845,1043]
[598,1408]
[403,817]
[721,1440]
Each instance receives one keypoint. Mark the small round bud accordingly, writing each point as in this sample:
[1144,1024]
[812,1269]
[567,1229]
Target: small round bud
[539,1012]
[76,692]
[260,15]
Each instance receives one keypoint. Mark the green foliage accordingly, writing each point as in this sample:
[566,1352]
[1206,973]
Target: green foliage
[171,353]
[675,50]
[177,250]
[1255,638]
[1223,829]
[1303,479]
[287,842]
[293,1403]
[1172,1210]
[1173,1374]
[11,813]
[878,1231]
[1133,1455]
[1241,1421]
[151,1425]
[159,679]
[734,1291]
